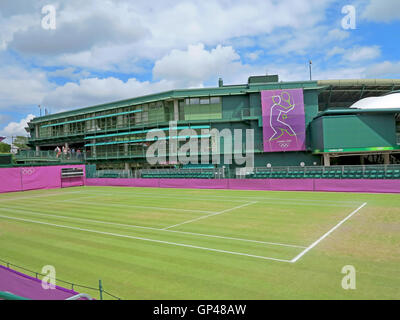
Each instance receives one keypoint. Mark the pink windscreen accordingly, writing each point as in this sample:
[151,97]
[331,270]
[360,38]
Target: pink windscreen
[28,287]
[336,185]
[33,178]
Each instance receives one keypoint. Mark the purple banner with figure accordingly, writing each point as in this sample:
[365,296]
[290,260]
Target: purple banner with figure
[283,120]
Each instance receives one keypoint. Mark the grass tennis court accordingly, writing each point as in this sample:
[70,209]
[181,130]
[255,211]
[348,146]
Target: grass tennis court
[149,243]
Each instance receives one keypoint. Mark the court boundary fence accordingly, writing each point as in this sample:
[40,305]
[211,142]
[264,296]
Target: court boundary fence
[73,286]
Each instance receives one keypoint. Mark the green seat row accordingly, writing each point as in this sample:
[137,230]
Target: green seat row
[179,175]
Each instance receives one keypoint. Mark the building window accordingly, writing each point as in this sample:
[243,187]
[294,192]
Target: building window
[215,100]
[204,100]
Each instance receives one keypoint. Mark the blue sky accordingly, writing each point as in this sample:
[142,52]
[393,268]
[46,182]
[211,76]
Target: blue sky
[108,50]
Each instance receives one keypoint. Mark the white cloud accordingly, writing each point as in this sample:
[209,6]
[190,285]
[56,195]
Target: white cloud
[382,10]
[196,65]
[17,128]
[357,54]
[77,35]
[68,73]
[335,51]
[302,41]
[254,55]
[384,69]
[97,91]
[118,34]
[22,87]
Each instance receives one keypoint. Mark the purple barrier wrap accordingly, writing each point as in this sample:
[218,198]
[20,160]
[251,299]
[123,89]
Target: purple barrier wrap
[272,184]
[28,287]
[102,182]
[73,182]
[362,185]
[373,186]
[249,184]
[292,184]
[10,180]
[33,178]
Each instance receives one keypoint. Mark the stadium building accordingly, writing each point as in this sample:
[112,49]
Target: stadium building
[305,123]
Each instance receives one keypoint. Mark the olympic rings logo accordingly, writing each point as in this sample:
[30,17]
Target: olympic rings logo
[28,171]
[284,145]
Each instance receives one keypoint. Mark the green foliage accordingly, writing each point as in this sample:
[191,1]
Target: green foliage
[4,147]
[21,142]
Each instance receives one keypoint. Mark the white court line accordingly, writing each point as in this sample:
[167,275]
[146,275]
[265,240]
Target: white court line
[77,201]
[72,200]
[248,197]
[308,202]
[149,228]
[39,196]
[210,215]
[143,207]
[144,239]
[295,259]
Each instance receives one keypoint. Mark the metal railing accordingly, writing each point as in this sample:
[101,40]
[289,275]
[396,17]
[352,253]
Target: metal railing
[112,174]
[73,286]
[337,172]
[33,155]
[211,173]
[306,171]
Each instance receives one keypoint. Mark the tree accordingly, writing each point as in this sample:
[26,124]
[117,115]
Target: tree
[4,147]
[21,142]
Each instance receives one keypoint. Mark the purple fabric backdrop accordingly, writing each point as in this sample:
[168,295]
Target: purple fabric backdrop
[33,178]
[283,120]
[375,186]
[292,184]
[150,183]
[358,185]
[28,287]
[10,180]
[194,183]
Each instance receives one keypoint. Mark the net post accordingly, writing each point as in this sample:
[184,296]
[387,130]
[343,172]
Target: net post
[101,290]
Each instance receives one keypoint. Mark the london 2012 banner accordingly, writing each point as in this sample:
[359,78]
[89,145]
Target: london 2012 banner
[283,120]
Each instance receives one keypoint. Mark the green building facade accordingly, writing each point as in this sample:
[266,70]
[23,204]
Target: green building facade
[115,135]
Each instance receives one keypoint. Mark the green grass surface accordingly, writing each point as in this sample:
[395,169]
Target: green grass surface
[149,243]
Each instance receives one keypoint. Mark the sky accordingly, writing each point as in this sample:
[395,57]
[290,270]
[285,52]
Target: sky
[98,51]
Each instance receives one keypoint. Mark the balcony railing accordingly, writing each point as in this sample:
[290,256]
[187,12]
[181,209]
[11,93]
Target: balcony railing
[49,156]
[314,172]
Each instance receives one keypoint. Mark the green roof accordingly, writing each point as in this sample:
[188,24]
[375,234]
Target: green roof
[335,112]
[182,93]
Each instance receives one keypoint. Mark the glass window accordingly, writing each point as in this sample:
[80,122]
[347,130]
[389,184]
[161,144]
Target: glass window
[215,100]
[194,101]
[204,100]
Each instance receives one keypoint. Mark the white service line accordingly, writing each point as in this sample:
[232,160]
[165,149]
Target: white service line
[143,207]
[39,196]
[78,201]
[148,228]
[295,259]
[210,215]
[72,200]
[144,239]
[295,202]
[171,197]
